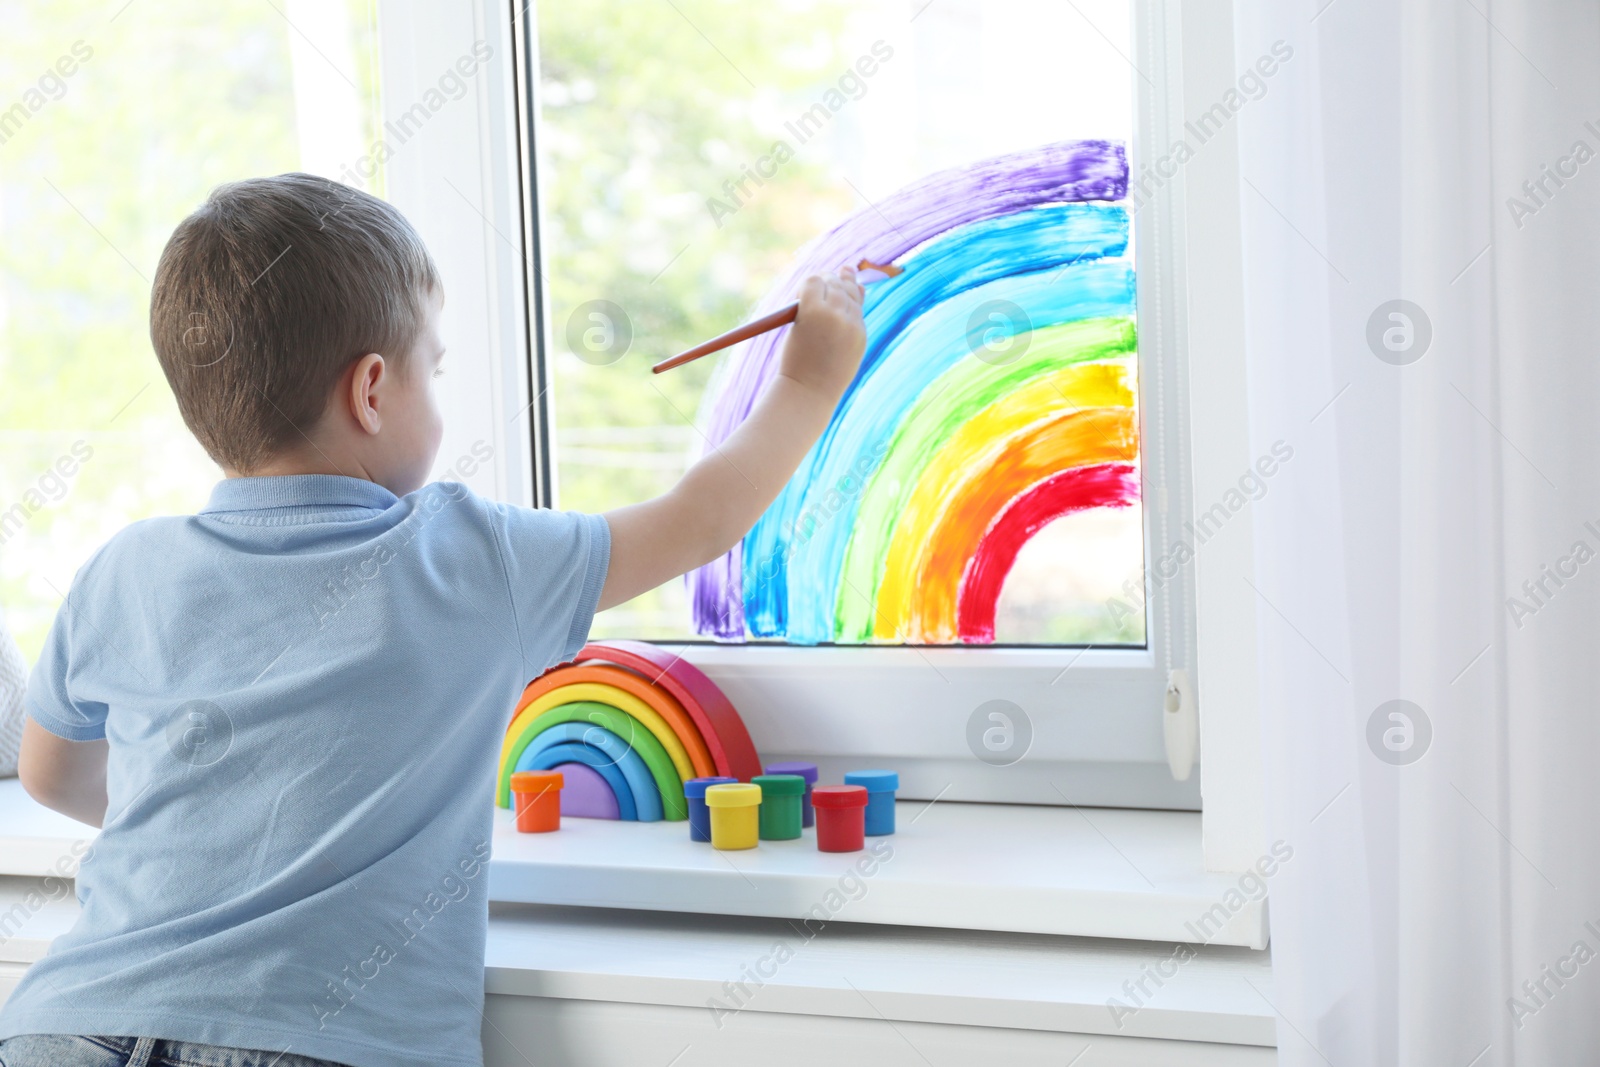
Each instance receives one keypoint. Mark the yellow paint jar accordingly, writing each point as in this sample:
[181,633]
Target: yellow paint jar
[735,815]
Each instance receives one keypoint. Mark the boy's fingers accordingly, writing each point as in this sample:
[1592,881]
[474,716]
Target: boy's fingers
[843,289]
[847,275]
[848,292]
[840,290]
[813,289]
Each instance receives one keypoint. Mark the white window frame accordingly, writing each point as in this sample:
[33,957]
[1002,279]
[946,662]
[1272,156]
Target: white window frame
[1099,725]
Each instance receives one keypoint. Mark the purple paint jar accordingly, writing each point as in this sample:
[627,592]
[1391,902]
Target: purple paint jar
[808,771]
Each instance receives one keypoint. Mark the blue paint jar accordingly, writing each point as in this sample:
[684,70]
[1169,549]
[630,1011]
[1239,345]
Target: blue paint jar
[694,792]
[880,787]
[808,771]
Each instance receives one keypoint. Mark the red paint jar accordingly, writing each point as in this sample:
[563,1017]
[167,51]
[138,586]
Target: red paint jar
[841,817]
[536,796]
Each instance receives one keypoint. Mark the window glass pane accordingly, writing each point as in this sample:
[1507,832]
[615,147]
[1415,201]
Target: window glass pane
[114,125]
[687,150]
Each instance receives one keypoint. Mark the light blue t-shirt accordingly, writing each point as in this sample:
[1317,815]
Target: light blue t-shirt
[304,688]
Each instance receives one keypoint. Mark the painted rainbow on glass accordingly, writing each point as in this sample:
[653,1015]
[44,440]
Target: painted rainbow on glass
[996,395]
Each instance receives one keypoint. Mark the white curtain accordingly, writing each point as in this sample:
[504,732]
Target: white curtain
[1437,539]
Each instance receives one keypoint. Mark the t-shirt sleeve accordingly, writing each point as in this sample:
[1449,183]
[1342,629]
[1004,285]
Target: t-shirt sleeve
[555,564]
[50,701]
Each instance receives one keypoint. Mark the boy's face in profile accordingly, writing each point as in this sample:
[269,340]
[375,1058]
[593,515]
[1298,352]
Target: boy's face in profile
[403,450]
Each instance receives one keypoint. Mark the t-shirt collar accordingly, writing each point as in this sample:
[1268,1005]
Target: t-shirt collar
[297,490]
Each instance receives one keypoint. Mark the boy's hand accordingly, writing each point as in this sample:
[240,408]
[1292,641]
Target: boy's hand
[823,349]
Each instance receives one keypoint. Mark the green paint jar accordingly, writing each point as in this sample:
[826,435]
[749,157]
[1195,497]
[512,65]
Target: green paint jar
[781,810]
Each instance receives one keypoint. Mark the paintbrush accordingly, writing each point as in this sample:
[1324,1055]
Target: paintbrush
[782,317]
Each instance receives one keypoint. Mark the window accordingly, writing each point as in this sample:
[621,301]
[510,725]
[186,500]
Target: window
[683,153]
[109,136]
[677,183]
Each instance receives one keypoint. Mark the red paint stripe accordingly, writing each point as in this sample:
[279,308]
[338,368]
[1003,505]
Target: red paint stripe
[1103,485]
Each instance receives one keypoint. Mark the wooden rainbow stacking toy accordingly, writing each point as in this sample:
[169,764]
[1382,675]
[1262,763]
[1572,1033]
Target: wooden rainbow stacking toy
[627,723]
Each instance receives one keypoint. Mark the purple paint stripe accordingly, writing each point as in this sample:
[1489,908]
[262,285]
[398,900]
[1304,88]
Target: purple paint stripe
[883,232]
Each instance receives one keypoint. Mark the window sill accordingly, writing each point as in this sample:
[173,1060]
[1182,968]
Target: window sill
[35,841]
[1027,869]
[1046,870]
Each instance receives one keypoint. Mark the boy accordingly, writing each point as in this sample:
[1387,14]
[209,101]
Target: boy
[285,710]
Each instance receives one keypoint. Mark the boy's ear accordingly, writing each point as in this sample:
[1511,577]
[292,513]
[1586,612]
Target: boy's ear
[365,380]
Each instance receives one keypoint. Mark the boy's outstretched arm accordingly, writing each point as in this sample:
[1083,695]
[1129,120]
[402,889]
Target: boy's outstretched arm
[720,498]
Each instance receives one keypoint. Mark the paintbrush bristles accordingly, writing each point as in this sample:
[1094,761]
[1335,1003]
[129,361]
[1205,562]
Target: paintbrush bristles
[887,269]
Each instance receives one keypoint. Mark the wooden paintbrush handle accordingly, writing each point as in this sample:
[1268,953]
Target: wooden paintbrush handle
[782,317]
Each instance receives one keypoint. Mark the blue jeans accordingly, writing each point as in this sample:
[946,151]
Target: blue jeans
[57,1050]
